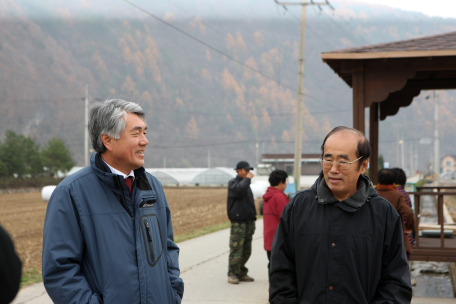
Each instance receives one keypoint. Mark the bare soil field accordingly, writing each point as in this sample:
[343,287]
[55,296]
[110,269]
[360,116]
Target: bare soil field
[22,215]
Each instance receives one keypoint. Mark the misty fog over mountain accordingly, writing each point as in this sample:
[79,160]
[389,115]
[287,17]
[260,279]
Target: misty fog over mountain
[199,98]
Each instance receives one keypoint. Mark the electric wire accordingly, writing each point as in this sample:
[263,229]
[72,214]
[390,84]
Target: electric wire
[312,31]
[221,52]
[244,114]
[340,28]
[222,34]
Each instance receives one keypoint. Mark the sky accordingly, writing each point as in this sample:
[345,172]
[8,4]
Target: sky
[223,8]
[434,8]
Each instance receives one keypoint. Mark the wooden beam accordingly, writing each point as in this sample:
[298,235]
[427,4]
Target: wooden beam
[396,100]
[433,84]
[373,139]
[358,95]
[380,81]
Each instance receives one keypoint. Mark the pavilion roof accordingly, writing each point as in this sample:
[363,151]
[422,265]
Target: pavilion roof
[429,46]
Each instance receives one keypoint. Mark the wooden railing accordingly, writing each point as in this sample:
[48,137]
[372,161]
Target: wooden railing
[430,249]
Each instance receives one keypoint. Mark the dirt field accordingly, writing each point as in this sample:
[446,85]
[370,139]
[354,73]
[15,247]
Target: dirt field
[22,215]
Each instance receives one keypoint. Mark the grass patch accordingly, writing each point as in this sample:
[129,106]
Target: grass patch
[31,277]
[200,232]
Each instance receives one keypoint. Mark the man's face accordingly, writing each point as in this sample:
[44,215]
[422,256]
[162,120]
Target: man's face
[342,146]
[128,151]
[242,173]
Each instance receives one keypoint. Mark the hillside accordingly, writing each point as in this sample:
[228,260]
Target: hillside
[195,98]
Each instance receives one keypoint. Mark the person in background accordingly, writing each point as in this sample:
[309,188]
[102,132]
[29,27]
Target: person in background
[401,180]
[242,214]
[339,242]
[10,269]
[387,190]
[274,200]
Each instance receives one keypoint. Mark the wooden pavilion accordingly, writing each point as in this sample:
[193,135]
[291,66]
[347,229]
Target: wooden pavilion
[386,77]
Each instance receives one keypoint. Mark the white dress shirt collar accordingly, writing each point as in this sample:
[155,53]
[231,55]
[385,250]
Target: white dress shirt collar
[115,171]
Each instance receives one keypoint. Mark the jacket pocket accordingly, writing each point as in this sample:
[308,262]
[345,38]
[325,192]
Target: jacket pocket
[153,244]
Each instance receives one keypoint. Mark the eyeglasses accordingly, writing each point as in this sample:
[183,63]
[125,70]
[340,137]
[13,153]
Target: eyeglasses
[343,165]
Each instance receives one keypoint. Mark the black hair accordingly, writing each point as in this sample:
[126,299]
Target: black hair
[277,176]
[386,176]
[363,150]
[401,178]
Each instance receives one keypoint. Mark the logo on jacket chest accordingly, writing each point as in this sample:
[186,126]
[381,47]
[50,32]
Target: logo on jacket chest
[147,203]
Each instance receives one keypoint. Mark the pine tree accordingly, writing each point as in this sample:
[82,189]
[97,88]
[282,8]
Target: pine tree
[56,156]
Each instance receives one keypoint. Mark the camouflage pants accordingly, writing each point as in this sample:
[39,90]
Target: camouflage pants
[240,247]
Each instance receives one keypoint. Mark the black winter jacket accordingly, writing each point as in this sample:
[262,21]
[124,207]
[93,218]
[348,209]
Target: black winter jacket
[240,206]
[326,251]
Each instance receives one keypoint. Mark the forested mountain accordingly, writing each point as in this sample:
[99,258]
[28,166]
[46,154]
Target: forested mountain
[201,92]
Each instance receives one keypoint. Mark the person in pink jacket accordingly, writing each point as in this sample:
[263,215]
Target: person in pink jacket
[274,200]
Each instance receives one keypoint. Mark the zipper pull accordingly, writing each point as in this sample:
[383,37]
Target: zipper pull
[149,239]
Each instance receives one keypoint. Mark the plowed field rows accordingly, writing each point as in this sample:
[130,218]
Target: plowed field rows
[22,215]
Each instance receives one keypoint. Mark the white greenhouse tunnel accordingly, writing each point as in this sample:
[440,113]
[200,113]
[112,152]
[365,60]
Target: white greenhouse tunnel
[219,177]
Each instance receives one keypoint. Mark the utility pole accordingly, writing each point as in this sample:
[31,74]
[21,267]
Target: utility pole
[86,127]
[402,152]
[398,142]
[411,160]
[208,158]
[298,140]
[436,139]
[257,146]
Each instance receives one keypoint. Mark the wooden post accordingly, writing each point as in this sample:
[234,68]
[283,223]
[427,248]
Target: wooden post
[373,139]
[441,218]
[358,95]
[417,219]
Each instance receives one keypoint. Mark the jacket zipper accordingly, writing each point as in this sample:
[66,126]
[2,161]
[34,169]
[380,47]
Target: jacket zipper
[149,239]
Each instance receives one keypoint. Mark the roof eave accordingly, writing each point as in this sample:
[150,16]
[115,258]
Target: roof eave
[385,55]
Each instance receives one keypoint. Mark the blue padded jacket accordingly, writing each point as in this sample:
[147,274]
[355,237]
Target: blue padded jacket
[103,245]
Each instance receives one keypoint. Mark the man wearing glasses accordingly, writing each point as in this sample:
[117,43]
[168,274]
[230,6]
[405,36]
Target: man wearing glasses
[339,242]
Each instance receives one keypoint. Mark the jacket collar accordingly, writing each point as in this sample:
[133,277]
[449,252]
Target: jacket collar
[355,202]
[383,187]
[111,180]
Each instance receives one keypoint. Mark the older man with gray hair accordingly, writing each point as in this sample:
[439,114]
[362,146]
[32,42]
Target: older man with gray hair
[108,236]
[339,241]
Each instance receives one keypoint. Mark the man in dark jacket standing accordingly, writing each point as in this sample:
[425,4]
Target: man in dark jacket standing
[242,214]
[339,242]
[108,236]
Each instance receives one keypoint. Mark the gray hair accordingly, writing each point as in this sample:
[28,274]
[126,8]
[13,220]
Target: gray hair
[109,118]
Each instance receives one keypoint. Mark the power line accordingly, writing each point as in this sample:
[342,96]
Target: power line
[221,52]
[332,20]
[228,19]
[353,30]
[244,114]
[207,45]
[219,32]
[233,143]
[312,31]
[253,140]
